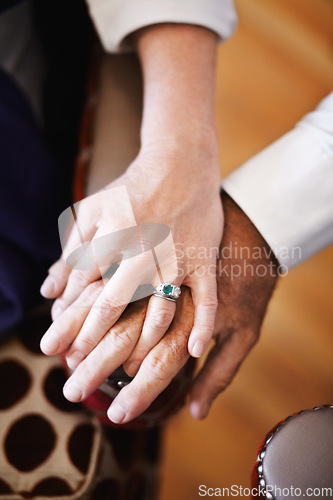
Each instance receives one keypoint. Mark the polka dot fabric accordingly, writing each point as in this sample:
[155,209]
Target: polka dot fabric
[51,448]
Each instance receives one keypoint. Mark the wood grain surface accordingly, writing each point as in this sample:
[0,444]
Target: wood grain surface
[277,67]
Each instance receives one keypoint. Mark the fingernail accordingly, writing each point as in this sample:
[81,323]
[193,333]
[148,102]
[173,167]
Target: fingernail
[48,288]
[199,411]
[132,368]
[74,359]
[198,349]
[195,410]
[116,413]
[72,391]
[50,342]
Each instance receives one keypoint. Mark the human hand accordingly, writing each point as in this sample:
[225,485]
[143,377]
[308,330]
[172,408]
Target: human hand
[244,289]
[242,304]
[174,181]
[195,237]
[156,372]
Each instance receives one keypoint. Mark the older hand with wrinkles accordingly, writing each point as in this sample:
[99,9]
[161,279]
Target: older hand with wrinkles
[173,182]
[242,302]
[156,371]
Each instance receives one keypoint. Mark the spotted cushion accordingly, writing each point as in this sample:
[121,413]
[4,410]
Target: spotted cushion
[53,448]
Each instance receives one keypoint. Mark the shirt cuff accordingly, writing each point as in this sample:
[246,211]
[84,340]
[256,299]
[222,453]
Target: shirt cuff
[116,19]
[287,189]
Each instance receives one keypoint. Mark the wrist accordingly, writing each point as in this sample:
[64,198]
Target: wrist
[191,143]
[192,164]
[178,119]
[247,270]
[247,249]
[175,173]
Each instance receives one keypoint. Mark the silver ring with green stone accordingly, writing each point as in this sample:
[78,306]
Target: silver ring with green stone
[167,291]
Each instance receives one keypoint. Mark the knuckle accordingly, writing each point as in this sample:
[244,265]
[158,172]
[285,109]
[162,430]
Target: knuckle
[81,279]
[87,343]
[221,385]
[209,303]
[227,378]
[106,308]
[156,368]
[119,338]
[205,326]
[250,338]
[223,380]
[161,318]
[112,304]
[93,288]
[177,349]
[101,314]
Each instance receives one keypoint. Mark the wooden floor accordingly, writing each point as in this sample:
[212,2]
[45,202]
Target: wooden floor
[275,69]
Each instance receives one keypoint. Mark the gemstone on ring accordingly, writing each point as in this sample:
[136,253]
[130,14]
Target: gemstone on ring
[167,291]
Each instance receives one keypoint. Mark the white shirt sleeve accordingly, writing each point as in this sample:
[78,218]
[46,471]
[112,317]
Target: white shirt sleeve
[287,189]
[116,19]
